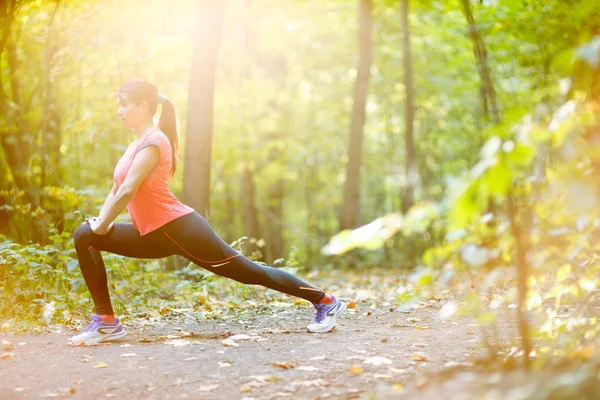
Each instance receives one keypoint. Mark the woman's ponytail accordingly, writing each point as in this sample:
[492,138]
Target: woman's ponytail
[168,124]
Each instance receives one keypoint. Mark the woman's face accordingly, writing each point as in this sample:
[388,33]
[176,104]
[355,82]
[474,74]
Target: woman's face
[132,115]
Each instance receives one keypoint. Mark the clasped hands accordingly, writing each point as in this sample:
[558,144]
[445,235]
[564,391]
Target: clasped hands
[96,225]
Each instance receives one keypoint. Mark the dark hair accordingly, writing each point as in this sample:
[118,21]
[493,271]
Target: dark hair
[138,90]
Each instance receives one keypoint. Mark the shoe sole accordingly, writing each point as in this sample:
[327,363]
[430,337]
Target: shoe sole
[105,338]
[331,325]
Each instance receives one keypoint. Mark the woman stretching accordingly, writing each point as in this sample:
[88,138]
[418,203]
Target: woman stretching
[162,225]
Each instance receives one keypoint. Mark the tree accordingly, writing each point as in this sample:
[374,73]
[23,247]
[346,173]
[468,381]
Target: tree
[197,168]
[486,89]
[351,202]
[412,171]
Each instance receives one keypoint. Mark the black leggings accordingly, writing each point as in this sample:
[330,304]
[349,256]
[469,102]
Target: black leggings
[189,236]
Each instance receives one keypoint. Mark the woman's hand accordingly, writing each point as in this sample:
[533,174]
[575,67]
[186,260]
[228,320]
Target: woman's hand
[96,226]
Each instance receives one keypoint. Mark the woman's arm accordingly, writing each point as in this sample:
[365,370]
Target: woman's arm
[143,162]
[108,200]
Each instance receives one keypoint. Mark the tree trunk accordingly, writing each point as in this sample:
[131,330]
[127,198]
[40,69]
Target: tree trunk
[350,210]
[251,226]
[51,128]
[412,170]
[196,174]
[487,92]
[51,138]
[249,209]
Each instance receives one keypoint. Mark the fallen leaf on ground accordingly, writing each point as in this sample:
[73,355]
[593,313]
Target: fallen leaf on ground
[101,365]
[355,369]
[401,326]
[419,357]
[178,342]
[243,337]
[7,355]
[283,365]
[397,370]
[352,304]
[128,355]
[422,327]
[225,364]
[190,359]
[382,376]
[229,343]
[86,358]
[307,368]
[314,382]
[6,345]
[245,388]
[207,388]
[378,360]
[145,340]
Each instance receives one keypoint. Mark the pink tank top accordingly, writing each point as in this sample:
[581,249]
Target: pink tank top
[153,204]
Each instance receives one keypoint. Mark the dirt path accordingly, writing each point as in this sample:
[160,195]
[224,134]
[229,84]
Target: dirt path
[371,352]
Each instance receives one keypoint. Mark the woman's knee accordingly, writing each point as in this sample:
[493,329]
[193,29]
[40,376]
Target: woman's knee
[82,234]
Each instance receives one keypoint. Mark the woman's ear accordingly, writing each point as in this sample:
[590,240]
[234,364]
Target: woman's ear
[144,105]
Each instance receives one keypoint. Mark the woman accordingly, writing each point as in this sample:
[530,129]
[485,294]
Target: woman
[162,225]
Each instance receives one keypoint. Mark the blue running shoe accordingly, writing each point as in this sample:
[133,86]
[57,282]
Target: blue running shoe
[98,331]
[327,315]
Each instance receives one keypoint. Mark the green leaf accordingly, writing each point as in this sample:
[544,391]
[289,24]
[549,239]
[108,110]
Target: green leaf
[563,272]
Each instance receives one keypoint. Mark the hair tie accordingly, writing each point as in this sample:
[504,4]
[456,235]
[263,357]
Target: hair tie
[161,98]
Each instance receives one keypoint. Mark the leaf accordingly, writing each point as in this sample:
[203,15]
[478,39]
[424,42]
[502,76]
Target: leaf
[101,365]
[314,382]
[178,342]
[48,311]
[7,355]
[245,388]
[225,364]
[486,318]
[587,284]
[72,264]
[6,345]
[207,388]
[128,355]
[474,255]
[355,369]
[307,368]
[448,310]
[419,357]
[246,337]
[229,343]
[590,52]
[283,365]
[378,360]
[563,272]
